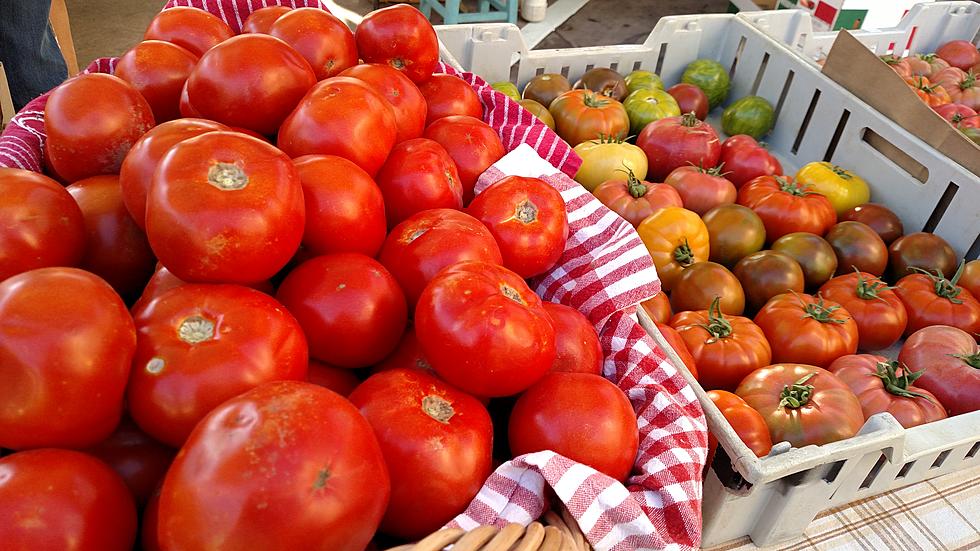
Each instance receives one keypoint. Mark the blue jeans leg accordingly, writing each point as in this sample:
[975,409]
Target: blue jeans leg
[28,49]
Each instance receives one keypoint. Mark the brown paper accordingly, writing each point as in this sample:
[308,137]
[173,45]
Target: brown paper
[853,66]
[6,102]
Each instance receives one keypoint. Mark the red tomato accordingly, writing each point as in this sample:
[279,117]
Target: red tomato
[743,160]
[690,99]
[748,424]
[876,309]
[701,190]
[331,114]
[140,460]
[199,345]
[408,355]
[806,329]
[437,442]
[399,36]
[447,95]
[56,325]
[880,218]
[91,121]
[581,416]
[225,207]
[970,279]
[61,499]
[402,94]
[658,308]
[345,211]
[858,247]
[194,29]
[163,281]
[483,330]
[959,53]
[186,109]
[350,307]
[41,224]
[678,141]
[676,342]
[577,347]
[472,144]
[766,274]
[950,359]
[158,71]
[149,523]
[634,200]
[582,115]
[325,41]
[261,20]
[421,246]
[958,114]
[527,218]
[786,207]
[252,80]
[802,404]
[881,385]
[340,380]
[934,300]
[418,175]
[287,454]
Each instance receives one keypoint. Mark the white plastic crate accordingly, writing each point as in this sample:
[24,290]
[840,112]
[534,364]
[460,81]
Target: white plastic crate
[774,498]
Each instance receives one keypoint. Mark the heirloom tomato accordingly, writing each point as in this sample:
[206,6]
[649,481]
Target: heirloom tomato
[935,62]
[401,37]
[678,141]
[340,380]
[634,200]
[844,189]
[815,256]
[676,342]
[582,115]
[643,80]
[646,106]
[325,41]
[690,99]
[959,53]
[472,144]
[703,283]
[701,189]
[192,28]
[658,308]
[786,206]
[926,251]
[261,20]
[545,88]
[604,81]
[970,280]
[959,115]
[748,424]
[950,358]
[880,315]
[734,232]
[158,71]
[880,218]
[140,460]
[858,247]
[807,329]
[933,95]
[577,347]
[448,95]
[605,158]
[881,385]
[675,238]
[766,274]
[418,175]
[918,67]
[508,89]
[931,299]
[711,77]
[962,86]
[402,94]
[750,115]
[898,65]
[539,111]
[743,160]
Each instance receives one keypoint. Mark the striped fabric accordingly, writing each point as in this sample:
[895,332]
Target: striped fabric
[604,273]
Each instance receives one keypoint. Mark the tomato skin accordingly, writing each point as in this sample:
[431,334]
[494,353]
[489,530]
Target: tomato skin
[140,460]
[349,305]
[528,220]
[340,380]
[261,20]
[831,413]
[437,442]
[743,160]
[84,505]
[149,522]
[658,308]
[678,141]
[418,175]
[862,373]
[634,200]
[786,207]
[956,307]
[91,121]
[859,247]
[333,111]
[583,115]
[676,342]
[545,88]
[922,250]
[325,41]
[792,325]
[701,283]
[194,29]
[724,354]
[970,280]
[880,315]
[690,98]
[950,357]
[814,254]
[747,423]
[958,115]
[345,211]
[959,53]
[552,414]
[158,71]
[407,102]
[235,460]
[701,190]
[252,80]
[499,356]
[766,274]
[428,241]
[55,323]
[472,144]
[880,218]
[407,355]
[448,95]
[843,188]
[675,239]
[734,232]
[577,347]
[401,37]
[42,224]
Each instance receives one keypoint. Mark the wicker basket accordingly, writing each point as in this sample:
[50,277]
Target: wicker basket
[553,533]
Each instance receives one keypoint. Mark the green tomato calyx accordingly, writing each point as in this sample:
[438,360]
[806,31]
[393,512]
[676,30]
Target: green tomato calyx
[718,327]
[683,254]
[899,384]
[870,288]
[820,311]
[636,188]
[798,394]
[945,288]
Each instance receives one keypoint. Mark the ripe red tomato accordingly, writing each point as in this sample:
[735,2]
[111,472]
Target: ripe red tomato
[701,283]
[701,190]
[922,250]
[225,207]
[747,423]
[674,142]
[950,359]
[658,308]
[527,218]
[634,200]
[399,36]
[421,246]
[252,80]
[582,115]
[140,460]
[408,355]
[472,144]
[958,114]
[448,95]
[115,248]
[331,114]
[41,224]
[149,523]
[437,442]
[483,330]
[577,347]
[194,29]
[345,211]
[935,300]
[970,279]
[858,247]
[62,499]
[959,53]
[880,315]
[807,329]
[881,385]
[55,325]
[91,121]
[350,307]
[743,160]
[676,342]
[199,345]
[325,41]
[802,404]
[786,207]
[880,218]
[158,71]
[418,175]
[261,20]
[402,94]
[287,454]
[690,98]
[340,380]
[581,416]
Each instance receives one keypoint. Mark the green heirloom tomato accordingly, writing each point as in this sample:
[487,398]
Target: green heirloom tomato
[752,115]
[643,80]
[711,77]
[646,106]
[509,89]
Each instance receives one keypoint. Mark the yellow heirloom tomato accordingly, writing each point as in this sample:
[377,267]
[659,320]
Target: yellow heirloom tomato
[843,188]
[675,238]
[608,159]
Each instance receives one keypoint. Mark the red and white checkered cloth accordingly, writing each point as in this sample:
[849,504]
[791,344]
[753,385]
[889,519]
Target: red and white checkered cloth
[604,273]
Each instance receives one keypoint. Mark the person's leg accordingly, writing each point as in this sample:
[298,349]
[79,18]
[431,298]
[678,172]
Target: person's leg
[28,49]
